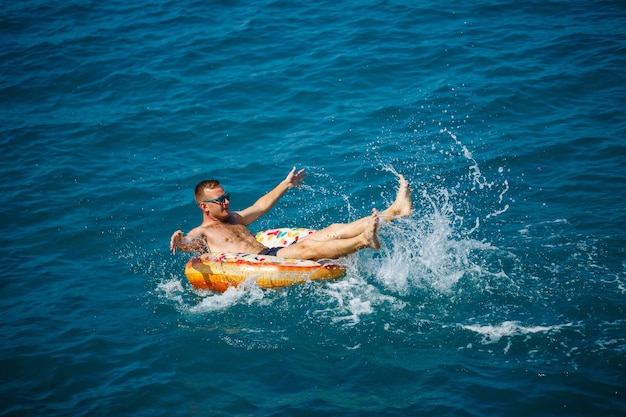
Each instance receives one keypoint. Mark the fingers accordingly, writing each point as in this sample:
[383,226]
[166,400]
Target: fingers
[291,175]
[301,175]
[294,178]
[175,240]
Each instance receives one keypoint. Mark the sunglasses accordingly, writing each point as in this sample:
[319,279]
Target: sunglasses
[218,200]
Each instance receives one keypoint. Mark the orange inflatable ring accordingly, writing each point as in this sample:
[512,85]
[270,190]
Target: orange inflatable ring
[219,271]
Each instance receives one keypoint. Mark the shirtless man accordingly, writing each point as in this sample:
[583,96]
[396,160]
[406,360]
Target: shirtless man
[225,231]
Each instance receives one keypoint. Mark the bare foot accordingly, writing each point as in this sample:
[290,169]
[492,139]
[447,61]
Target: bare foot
[370,233]
[403,206]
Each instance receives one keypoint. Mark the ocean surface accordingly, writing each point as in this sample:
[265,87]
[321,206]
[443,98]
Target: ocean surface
[504,294]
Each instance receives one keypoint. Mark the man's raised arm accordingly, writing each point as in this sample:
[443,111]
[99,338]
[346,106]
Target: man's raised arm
[265,203]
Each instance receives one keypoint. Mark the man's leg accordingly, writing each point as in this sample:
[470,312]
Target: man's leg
[401,207]
[340,231]
[311,248]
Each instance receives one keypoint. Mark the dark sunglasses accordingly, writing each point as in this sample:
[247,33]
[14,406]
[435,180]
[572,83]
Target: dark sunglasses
[218,200]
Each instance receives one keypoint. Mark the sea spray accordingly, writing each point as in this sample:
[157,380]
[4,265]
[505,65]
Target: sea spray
[440,243]
[425,252]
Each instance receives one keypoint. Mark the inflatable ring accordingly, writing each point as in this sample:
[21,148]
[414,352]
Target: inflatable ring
[219,271]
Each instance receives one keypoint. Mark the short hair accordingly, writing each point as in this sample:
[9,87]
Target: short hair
[199,191]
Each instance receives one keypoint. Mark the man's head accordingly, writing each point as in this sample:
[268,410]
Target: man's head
[203,187]
[212,199]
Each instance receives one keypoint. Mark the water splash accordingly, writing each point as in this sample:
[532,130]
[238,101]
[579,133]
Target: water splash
[426,252]
[436,247]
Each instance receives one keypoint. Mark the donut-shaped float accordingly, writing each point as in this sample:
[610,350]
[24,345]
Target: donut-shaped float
[219,271]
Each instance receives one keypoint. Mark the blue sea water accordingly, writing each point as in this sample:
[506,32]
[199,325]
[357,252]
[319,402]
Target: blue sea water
[503,294]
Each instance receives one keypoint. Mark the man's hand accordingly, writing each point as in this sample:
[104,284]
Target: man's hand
[295,178]
[176,240]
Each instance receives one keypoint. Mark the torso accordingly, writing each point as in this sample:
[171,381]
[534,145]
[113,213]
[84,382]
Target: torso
[227,237]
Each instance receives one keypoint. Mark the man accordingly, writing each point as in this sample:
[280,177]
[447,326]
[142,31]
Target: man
[225,231]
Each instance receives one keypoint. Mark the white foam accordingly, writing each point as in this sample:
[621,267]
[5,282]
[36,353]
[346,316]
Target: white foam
[171,290]
[493,333]
[246,294]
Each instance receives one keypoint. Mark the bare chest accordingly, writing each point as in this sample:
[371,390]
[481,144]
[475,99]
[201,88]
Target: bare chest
[224,237]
